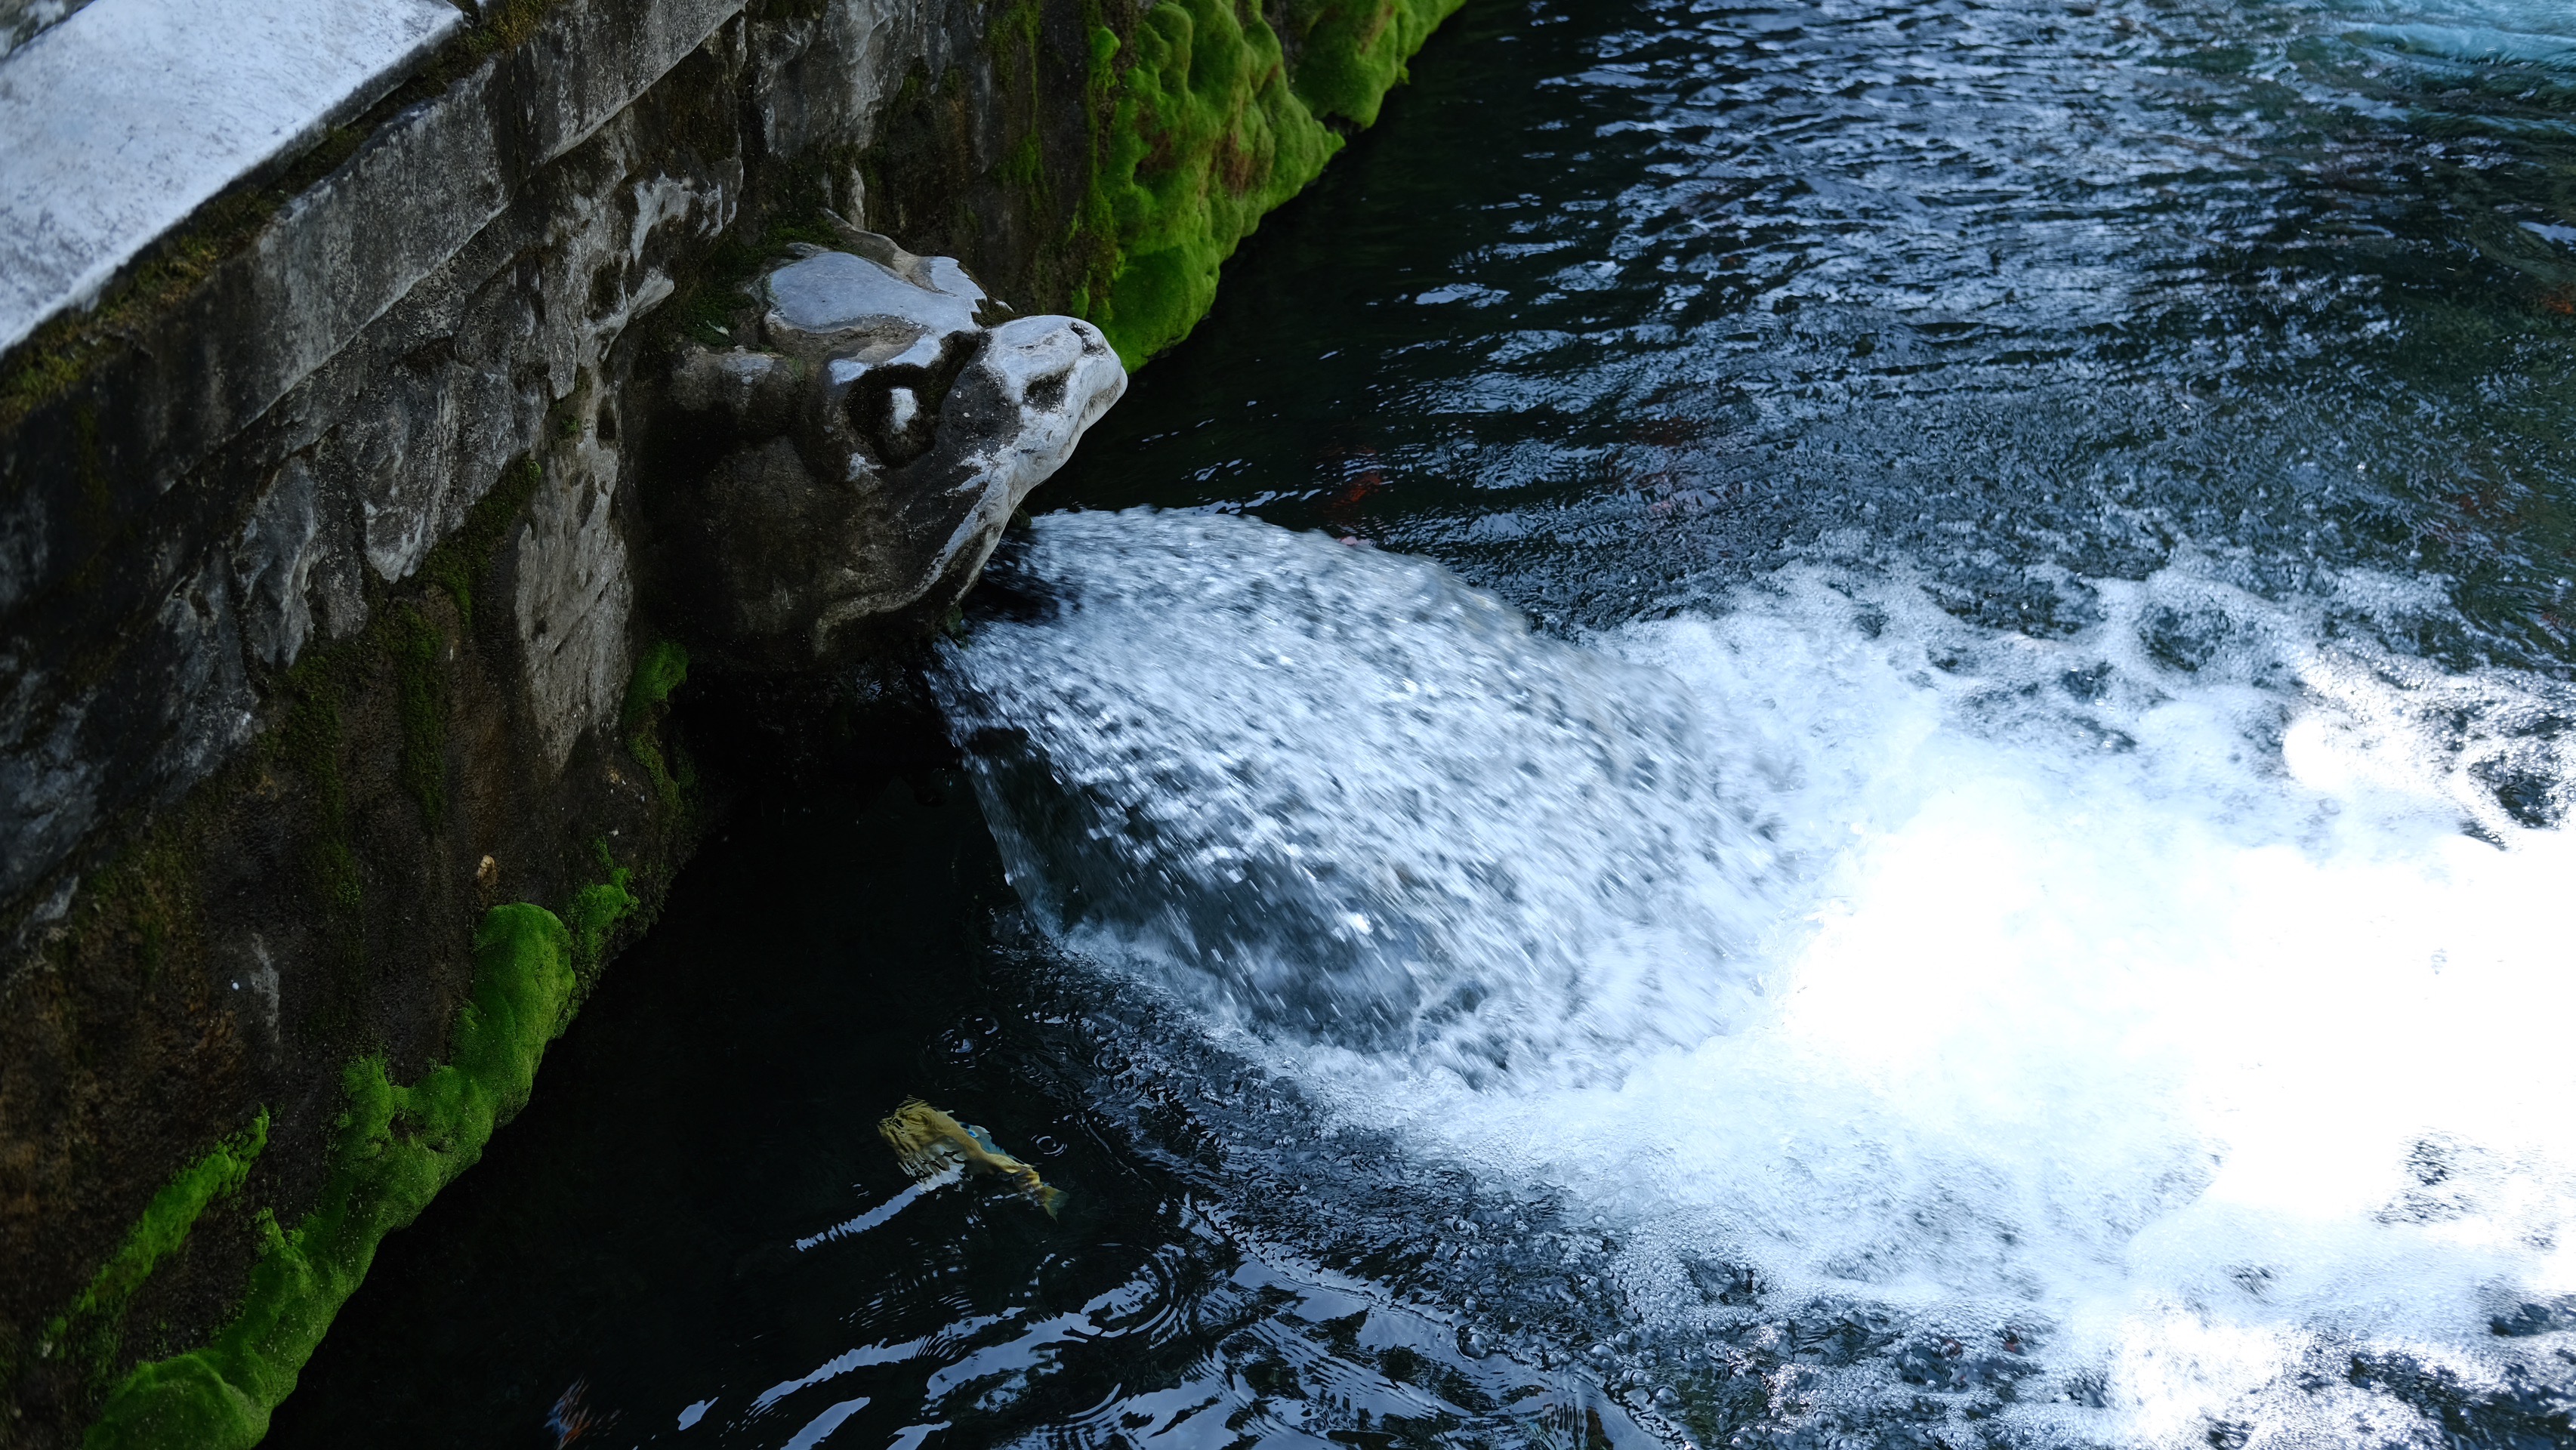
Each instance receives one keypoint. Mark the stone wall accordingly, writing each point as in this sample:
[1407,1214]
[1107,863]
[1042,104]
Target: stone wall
[337,608]
[321,599]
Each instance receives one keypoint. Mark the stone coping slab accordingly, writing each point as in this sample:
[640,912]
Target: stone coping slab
[122,120]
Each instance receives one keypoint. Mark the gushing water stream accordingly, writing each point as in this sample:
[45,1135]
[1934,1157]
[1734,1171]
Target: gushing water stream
[2017,888]
[2146,1044]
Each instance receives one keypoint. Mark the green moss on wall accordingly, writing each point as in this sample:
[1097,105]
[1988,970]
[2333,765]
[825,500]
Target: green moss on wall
[308,836]
[1206,136]
[311,743]
[1350,53]
[396,1147]
[87,1333]
[594,913]
[150,894]
[718,297]
[1208,127]
[662,669]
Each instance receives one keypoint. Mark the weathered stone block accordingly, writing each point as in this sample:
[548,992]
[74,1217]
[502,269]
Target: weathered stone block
[875,449]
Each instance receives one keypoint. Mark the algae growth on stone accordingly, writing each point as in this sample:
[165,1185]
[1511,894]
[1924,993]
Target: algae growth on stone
[396,1148]
[1212,125]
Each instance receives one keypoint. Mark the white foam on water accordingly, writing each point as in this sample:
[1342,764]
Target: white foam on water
[2538,33]
[2188,1031]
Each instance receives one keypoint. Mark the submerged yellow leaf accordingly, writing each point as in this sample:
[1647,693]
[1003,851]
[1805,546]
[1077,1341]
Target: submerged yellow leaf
[928,1142]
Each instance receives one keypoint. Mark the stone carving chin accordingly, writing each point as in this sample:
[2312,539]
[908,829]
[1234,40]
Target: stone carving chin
[873,450]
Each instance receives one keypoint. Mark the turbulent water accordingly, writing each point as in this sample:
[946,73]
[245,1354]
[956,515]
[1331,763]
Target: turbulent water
[1807,724]
[2017,889]
[2157,1042]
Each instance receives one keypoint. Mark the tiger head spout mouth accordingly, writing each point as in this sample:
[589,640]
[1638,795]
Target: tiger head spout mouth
[868,451]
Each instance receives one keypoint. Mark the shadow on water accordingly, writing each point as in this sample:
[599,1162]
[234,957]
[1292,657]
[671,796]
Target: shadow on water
[694,1234]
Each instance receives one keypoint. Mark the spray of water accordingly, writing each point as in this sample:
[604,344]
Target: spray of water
[2172,1014]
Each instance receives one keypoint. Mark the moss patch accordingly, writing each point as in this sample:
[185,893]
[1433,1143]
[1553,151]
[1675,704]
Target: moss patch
[396,1147]
[1205,137]
[87,1333]
[663,668]
[1350,53]
[720,307]
[1210,126]
[312,743]
[594,914]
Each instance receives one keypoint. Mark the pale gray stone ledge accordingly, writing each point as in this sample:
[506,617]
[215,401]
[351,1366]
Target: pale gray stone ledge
[120,121]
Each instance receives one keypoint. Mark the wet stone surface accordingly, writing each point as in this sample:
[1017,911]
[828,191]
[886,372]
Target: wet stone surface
[872,450]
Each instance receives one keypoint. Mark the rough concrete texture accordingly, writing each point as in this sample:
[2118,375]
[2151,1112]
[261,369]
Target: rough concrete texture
[319,605]
[126,117]
[572,596]
[879,443]
[387,344]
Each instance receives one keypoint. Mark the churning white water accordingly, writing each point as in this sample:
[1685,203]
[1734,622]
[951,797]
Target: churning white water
[2177,1013]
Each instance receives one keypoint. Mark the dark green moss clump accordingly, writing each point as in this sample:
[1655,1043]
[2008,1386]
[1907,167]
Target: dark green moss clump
[1125,150]
[1350,53]
[662,669]
[1211,126]
[311,744]
[419,651]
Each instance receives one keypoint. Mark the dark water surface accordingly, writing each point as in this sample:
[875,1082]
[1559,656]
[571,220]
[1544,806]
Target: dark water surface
[685,1212]
[2015,894]
[1988,284]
